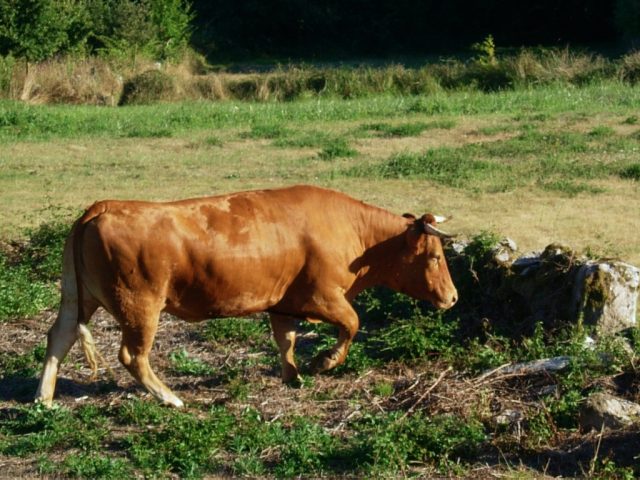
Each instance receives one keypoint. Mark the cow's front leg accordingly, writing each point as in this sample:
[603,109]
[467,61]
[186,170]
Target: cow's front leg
[346,319]
[284,333]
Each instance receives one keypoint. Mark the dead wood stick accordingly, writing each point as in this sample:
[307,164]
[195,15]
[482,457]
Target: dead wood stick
[427,392]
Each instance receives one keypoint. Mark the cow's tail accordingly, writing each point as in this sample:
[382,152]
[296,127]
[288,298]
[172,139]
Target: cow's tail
[84,334]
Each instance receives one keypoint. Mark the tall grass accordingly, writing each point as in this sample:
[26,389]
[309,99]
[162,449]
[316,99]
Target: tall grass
[101,81]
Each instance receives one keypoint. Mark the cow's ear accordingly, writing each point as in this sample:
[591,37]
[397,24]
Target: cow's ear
[410,216]
[415,237]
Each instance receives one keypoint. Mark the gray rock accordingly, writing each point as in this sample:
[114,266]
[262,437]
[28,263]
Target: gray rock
[605,409]
[606,295]
[504,252]
[508,417]
[538,366]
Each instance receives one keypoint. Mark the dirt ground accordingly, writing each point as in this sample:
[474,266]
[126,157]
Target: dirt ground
[333,400]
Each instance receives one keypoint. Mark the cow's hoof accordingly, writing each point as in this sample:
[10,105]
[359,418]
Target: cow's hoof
[46,403]
[294,382]
[322,362]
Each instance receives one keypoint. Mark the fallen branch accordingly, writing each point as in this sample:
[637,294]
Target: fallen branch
[427,392]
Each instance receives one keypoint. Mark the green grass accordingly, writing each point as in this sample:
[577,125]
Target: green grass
[248,331]
[19,121]
[185,364]
[409,129]
[556,161]
[28,273]
[337,148]
[353,421]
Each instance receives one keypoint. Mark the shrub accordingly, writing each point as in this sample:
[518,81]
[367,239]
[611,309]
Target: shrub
[148,87]
[629,67]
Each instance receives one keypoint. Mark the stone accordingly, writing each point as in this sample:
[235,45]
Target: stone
[606,295]
[608,410]
[538,366]
[508,417]
[504,252]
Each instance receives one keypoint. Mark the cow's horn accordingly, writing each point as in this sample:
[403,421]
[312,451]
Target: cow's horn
[428,228]
[441,219]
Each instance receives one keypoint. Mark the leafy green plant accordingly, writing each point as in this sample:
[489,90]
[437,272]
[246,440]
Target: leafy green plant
[92,465]
[182,444]
[418,337]
[20,293]
[185,364]
[22,365]
[43,251]
[250,331]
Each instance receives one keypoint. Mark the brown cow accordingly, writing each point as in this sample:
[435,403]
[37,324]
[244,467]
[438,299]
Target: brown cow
[299,252]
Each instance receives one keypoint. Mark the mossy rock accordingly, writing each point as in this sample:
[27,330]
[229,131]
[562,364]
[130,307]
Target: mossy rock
[149,87]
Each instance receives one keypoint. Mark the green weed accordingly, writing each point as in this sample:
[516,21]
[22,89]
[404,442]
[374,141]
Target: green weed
[248,331]
[418,337]
[266,130]
[36,429]
[632,172]
[570,188]
[390,443]
[182,363]
[213,141]
[337,148]
[451,167]
[602,131]
[182,444]
[306,139]
[405,129]
[22,295]
[26,279]
[93,465]
[22,365]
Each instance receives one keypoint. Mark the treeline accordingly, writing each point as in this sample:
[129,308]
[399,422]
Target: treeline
[37,30]
[226,29]
[374,27]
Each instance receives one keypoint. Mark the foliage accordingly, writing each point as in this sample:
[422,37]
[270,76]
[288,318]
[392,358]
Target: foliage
[248,331]
[185,364]
[38,29]
[20,293]
[22,365]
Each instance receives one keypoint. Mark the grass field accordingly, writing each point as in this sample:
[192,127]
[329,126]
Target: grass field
[540,165]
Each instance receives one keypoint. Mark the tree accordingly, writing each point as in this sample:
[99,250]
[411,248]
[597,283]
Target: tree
[38,29]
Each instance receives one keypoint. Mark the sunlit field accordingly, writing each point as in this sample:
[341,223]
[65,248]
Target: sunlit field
[552,164]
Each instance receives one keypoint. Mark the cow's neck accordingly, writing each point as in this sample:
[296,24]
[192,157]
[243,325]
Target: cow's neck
[384,243]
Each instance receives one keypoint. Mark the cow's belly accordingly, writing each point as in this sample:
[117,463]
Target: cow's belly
[226,296]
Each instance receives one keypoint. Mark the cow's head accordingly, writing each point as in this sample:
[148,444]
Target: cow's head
[425,274]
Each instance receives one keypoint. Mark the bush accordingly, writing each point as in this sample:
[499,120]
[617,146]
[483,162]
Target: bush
[629,68]
[148,87]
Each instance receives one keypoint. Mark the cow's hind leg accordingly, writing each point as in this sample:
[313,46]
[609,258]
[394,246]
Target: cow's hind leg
[284,333]
[138,332]
[61,337]
[345,318]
